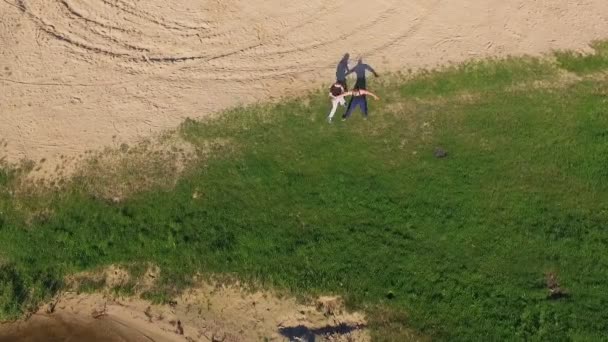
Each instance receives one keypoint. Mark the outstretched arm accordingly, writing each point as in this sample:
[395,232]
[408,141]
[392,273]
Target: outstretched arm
[365,92]
[348,93]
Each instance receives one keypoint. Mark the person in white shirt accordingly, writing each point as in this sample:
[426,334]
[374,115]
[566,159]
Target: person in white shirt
[335,94]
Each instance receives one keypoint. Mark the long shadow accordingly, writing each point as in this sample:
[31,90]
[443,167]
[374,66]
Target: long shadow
[303,333]
[342,70]
[360,71]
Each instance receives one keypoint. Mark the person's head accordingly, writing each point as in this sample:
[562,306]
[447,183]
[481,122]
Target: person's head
[346,57]
[336,89]
[360,61]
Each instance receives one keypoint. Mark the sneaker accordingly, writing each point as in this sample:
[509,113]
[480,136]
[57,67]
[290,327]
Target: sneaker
[329,119]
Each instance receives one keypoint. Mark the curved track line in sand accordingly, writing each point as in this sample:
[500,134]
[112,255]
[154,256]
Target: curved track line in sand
[157,39]
[81,74]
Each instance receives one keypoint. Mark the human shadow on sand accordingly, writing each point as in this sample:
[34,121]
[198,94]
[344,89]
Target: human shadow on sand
[342,70]
[303,333]
[360,70]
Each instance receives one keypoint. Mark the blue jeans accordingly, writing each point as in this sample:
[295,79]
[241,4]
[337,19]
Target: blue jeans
[356,101]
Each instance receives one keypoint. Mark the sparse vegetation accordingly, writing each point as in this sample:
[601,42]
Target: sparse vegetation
[585,63]
[472,246]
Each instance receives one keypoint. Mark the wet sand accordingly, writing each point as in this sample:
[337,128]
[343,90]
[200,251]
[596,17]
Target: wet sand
[70,328]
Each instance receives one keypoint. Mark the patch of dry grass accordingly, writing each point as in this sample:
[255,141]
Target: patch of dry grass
[115,174]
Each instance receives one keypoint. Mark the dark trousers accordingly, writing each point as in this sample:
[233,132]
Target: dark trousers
[356,101]
[361,83]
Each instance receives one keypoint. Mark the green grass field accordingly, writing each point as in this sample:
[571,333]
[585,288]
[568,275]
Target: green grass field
[458,248]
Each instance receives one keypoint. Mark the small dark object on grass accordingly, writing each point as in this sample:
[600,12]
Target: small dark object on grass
[555,291]
[440,153]
[390,295]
